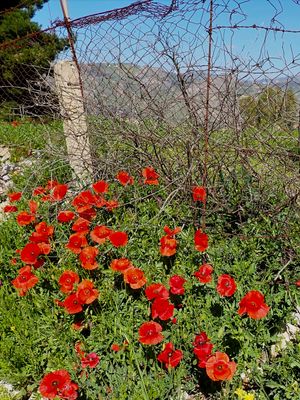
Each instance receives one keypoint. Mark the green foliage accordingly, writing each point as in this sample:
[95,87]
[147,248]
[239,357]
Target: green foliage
[4,394]
[37,335]
[28,136]
[25,60]
[273,107]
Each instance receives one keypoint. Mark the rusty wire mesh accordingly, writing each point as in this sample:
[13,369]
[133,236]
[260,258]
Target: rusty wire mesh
[197,89]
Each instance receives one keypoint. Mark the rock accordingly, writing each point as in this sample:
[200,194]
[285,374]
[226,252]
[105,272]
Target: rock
[9,388]
[4,154]
[287,336]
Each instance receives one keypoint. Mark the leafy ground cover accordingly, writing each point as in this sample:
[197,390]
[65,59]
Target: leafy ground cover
[25,136]
[113,293]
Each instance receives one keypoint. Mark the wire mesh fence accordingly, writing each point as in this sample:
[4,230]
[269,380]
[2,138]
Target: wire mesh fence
[203,91]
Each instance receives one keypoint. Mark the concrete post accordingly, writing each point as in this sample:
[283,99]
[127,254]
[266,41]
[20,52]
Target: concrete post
[74,121]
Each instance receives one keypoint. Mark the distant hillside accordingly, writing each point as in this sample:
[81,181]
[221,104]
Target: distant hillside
[133,91]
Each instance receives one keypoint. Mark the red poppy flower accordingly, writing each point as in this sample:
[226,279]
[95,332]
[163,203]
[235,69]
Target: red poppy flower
[111,204]
[176,283]
[76,242]
[86,292]
[81,225]
[90,360]
[15,124]
[219,368]
[85,198]
[226,285]
[46,197]
[72,304]
[25,280]
[100,233]
[169,356]
[124,178]
[135,278]
[58,383]
[202,348]
[44,229]
[45,248]
[121,264]
[199,194]
[33,206]
[172,232]
[118,238]
[51,184]
[78,349]
[67,281]
[150,176]
[203,353]
[24,218]
[38,238]
[87,212]
[201,338]
[100,187]
[99,201]
[69,391]
[10,209]
[162,309]
[115,347]
[204,273]
[15,196]
[200,240]
[253,303]
[168,246]
[156,290]
[88,257]
[38,191]
[59,192]
[30,253]
[297,283]
[149,333]
[65,216]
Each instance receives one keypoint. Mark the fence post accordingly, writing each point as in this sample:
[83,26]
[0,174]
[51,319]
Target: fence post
[207,115]
[74,121]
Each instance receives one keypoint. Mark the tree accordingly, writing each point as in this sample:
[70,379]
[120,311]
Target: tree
[273,107]
[23,61]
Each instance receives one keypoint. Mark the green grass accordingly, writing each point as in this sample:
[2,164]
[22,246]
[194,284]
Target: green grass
[5,395]
[28,136]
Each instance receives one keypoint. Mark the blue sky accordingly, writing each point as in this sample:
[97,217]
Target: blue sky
[246,43]
[259,11]
[79,8]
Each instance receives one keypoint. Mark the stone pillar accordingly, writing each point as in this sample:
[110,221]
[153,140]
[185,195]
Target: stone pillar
[74,121]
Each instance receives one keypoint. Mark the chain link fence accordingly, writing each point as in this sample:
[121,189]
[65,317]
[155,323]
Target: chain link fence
[200,90]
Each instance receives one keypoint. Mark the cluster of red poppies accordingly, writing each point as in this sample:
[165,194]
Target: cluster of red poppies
[168,243]
[78,294]
[85,292]
[218,366]
[39,244]
[252,303]
[161,307]
[133,276]
[25,280]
